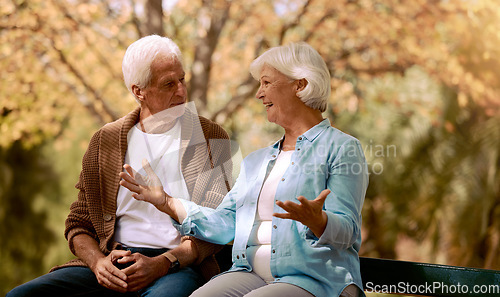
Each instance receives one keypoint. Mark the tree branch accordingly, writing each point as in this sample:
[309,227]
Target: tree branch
[244,91]
[294,23]
[107,114]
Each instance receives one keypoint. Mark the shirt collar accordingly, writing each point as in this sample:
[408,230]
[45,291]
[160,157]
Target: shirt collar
[315,131]
[310,134]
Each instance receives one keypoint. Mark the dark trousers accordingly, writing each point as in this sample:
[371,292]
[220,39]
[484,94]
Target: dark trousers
[81,281]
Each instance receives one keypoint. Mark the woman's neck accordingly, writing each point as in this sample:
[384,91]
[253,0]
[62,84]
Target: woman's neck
[299,126]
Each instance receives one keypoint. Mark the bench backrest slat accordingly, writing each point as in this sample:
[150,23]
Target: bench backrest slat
[412,278]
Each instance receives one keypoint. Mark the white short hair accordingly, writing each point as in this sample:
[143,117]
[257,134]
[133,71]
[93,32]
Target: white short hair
[136,65]
[299,61]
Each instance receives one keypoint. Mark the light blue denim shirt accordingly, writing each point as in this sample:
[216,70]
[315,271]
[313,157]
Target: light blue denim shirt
[324,157]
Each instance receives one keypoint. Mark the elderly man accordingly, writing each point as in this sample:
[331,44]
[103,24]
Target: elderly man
[125,246]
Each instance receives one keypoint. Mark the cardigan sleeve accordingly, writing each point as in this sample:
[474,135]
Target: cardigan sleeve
[79,220]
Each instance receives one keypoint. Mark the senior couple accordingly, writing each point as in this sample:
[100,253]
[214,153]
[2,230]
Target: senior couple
[158,231]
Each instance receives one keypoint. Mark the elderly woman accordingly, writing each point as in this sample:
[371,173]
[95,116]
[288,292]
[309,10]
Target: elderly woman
[294,213]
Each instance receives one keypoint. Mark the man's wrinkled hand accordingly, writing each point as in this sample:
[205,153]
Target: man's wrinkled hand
[108,275]
[144,270]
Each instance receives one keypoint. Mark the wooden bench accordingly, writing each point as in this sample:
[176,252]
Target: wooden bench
[424,279]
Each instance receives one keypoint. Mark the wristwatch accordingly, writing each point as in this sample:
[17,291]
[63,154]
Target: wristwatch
[174,263]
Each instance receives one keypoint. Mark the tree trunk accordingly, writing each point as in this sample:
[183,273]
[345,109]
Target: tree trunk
[211,20]
[152,20]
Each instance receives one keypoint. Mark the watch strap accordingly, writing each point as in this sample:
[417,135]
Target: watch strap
[174,262]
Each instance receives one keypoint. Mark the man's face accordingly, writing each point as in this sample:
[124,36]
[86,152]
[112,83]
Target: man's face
[167,88]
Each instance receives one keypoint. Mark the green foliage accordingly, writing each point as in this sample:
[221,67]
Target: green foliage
[26,180]
[433,163]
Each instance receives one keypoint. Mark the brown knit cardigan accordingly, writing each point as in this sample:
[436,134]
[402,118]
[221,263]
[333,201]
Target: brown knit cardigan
[205,165]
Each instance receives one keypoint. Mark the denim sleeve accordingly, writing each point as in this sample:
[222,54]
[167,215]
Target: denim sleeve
[212,225]
[348,181]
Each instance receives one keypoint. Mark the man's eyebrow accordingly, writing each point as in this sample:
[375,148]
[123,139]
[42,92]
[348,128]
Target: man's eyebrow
[173,77]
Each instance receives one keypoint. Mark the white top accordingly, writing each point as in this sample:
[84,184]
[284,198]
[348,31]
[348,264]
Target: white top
[139,223]
[259,252]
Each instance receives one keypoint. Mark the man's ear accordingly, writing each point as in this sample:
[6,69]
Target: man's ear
[301,84]
[137,92]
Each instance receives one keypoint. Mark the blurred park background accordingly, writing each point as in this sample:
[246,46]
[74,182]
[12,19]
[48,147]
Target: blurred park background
[417,81]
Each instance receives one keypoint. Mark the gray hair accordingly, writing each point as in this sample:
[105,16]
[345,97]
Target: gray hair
[136,65]
[299,61]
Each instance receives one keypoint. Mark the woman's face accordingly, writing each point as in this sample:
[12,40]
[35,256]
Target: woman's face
[279,95]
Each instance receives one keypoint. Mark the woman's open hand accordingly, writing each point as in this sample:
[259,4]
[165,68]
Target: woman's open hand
[145,188]
[308,212]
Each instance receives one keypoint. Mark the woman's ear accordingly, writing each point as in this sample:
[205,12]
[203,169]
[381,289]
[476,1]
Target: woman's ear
[301,84]
[137,92]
